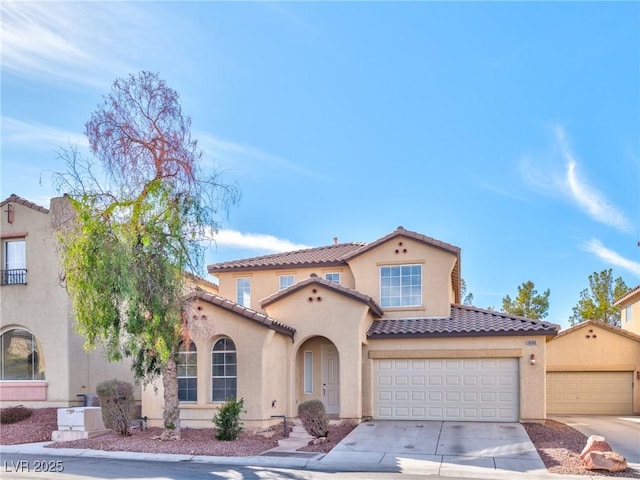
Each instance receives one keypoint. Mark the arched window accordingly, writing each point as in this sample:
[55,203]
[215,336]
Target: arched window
[224,371]
[187,367]
[21,356]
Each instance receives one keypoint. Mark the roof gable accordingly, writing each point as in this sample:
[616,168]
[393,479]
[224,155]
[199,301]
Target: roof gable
[424,239]
[242,311]
[464,321]
[604,326]
[13,198]
[335,287]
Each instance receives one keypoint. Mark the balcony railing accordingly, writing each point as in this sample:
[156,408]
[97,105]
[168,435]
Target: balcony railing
[17,276]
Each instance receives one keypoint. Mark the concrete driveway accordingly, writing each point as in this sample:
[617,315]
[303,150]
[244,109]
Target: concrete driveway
[439,448]
[621,432]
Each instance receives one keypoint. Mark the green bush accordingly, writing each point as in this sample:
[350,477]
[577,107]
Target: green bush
[227,420]
[116,400]
[314,418]
[14,414]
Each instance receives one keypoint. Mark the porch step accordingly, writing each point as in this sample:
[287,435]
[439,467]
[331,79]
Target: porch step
[292,444]
[300,433]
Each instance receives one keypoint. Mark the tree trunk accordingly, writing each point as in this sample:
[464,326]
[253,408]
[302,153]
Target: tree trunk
[171,414]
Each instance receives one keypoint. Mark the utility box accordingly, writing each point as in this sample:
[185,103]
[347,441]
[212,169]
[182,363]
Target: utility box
[78,423]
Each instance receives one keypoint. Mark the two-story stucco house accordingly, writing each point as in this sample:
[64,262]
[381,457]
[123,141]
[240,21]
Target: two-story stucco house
[42,359]
[373,330]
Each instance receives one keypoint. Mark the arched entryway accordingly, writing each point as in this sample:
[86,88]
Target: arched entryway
[318,373]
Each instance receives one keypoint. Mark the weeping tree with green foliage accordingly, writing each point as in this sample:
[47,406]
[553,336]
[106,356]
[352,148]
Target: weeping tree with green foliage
[597,301]
[528,303]
[138,225]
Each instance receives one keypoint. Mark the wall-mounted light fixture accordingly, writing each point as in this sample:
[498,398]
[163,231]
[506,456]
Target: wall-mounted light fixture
[532,359]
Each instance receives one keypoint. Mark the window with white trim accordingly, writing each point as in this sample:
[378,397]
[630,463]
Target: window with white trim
[243,291]
[627,314]
[187,369]
[224,370]
[14,265]
[308,372]
[286,281]
[332,277]
[401,286]
[21,357]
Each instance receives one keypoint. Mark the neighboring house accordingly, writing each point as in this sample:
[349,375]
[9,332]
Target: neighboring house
[629,305]
[373,330]
[594,368]
[42,359]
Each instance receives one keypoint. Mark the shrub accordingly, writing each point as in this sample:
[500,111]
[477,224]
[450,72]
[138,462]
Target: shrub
[227,420]
[116,400]
[14,414]
[314,418]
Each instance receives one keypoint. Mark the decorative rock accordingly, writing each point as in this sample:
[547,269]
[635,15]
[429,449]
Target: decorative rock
[610,461]
[595,443]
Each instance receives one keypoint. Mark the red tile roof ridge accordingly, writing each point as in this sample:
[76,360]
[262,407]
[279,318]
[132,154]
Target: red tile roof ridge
[246,312]
[629,293]
[13,198]
[288,258]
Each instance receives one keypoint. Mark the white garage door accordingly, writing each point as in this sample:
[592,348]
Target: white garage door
[474,389]
[596,393]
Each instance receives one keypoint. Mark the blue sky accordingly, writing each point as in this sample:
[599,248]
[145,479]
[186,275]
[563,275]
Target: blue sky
[509,129]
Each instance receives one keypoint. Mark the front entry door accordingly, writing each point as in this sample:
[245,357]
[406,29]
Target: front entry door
[330,379]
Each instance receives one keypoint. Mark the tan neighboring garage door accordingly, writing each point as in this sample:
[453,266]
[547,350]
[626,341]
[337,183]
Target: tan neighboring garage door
[474,389]
[597,393]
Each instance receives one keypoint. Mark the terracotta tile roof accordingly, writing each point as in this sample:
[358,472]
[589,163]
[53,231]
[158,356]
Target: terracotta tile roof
[630,293]
[315,280]
[244,312]
[13,198]
[611,328]
[331,255]
[463,322]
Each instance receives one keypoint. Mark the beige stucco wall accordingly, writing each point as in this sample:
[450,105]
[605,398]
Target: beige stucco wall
[267,282]
[607,351]
[262,355]
[532,377]
[42,307]
[437,265]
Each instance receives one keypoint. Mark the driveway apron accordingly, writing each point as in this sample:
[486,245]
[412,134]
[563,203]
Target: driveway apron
[435,447]
[621,432]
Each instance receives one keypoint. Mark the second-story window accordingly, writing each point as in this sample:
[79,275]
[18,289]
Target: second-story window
[401,286]
[627,314]
[332,277]
[14,270]
[243,291]
[285,281]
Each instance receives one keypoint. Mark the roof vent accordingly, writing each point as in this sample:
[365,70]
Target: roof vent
[335,240]
[313,275]
[400,227]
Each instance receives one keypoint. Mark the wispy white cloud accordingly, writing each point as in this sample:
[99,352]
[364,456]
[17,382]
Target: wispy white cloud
[33,134]
[255,241]
[589,198]
[242,157]
[85,43]
[614,258]
[564,178]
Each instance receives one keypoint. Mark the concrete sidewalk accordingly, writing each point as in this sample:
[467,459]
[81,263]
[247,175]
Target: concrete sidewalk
[444,449]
